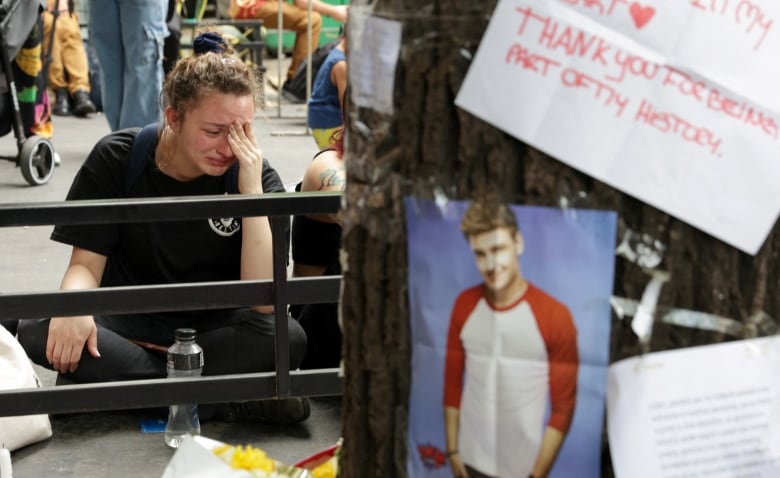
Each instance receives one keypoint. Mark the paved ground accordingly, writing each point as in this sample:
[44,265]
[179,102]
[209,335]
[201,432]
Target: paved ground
[111,443]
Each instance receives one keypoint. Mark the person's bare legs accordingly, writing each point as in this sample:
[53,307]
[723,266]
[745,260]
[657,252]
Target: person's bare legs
[296,19]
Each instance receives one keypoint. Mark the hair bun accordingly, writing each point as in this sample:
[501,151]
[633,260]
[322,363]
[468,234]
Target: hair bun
[209,42]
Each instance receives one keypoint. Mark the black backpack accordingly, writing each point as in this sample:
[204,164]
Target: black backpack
[296,86]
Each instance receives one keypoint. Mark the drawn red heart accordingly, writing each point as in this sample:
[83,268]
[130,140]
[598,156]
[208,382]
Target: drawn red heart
[641,15]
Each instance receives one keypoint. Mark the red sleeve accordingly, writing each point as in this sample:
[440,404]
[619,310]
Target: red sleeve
[560,337]
[455,358]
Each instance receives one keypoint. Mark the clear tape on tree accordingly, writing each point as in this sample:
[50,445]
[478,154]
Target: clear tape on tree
[641,249]
[570,198]
[642,324]
[704,321]
[623,307]
[759,324]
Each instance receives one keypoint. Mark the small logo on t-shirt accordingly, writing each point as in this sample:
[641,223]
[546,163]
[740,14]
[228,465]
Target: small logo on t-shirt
[225,226]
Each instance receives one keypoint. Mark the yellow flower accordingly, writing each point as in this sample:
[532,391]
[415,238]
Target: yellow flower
[327,469]
[245,458]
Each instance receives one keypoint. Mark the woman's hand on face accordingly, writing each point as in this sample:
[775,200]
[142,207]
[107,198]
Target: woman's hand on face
[67,338]
[244,146]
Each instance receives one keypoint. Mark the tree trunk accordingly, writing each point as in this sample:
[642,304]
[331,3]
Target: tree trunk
[431,148]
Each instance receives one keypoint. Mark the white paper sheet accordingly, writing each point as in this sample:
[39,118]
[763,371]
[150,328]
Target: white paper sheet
[672,107]
[374,44]
[710,411]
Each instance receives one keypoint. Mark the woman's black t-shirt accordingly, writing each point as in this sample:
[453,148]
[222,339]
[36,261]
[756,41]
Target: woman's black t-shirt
[156,252]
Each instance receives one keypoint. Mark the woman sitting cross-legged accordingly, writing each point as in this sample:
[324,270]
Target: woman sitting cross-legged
[209,102]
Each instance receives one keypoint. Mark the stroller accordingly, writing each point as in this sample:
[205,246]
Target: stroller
[35,154]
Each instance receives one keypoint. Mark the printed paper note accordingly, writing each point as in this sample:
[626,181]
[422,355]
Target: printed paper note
[704,411]
[374,44]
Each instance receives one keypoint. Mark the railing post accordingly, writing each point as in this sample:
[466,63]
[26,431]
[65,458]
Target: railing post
[279,227]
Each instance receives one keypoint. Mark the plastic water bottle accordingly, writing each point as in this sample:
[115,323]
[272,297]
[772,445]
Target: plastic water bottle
[185,359]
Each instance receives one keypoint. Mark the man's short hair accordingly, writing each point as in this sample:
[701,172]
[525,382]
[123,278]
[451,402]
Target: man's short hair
[486,214]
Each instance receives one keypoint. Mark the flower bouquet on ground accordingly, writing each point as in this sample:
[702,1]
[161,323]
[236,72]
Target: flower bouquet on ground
[201,457]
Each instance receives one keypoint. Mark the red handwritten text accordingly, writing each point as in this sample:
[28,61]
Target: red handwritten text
[571,40]
[634,65]
[667,122]
[744,12]
[619,67]
[518,54]
[599,5]
[743,112]
[601,91]
[714,101]
[685,84]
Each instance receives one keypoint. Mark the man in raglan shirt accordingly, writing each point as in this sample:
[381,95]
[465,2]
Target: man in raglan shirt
[509,344]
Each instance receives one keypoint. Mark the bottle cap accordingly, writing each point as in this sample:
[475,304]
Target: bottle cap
[185,334]
[189,359]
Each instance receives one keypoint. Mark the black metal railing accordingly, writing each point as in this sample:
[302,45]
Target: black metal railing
[280,292]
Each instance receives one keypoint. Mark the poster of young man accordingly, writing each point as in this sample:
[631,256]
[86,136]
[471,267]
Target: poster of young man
[510,327]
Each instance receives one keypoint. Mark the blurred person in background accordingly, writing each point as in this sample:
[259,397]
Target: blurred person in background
[68,68]
[295,17]
[325,114]
[128,36]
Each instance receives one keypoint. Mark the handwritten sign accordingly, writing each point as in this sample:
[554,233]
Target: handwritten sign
[729,41]
[703,411]
[634,95]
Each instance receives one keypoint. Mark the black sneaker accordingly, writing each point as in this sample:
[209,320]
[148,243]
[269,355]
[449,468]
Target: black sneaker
[61,102]
[279,411]
[82,105]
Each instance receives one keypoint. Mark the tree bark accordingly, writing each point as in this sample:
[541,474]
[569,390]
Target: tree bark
[430,148]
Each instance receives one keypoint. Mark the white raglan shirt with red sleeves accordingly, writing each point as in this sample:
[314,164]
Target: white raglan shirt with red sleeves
[501,363]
